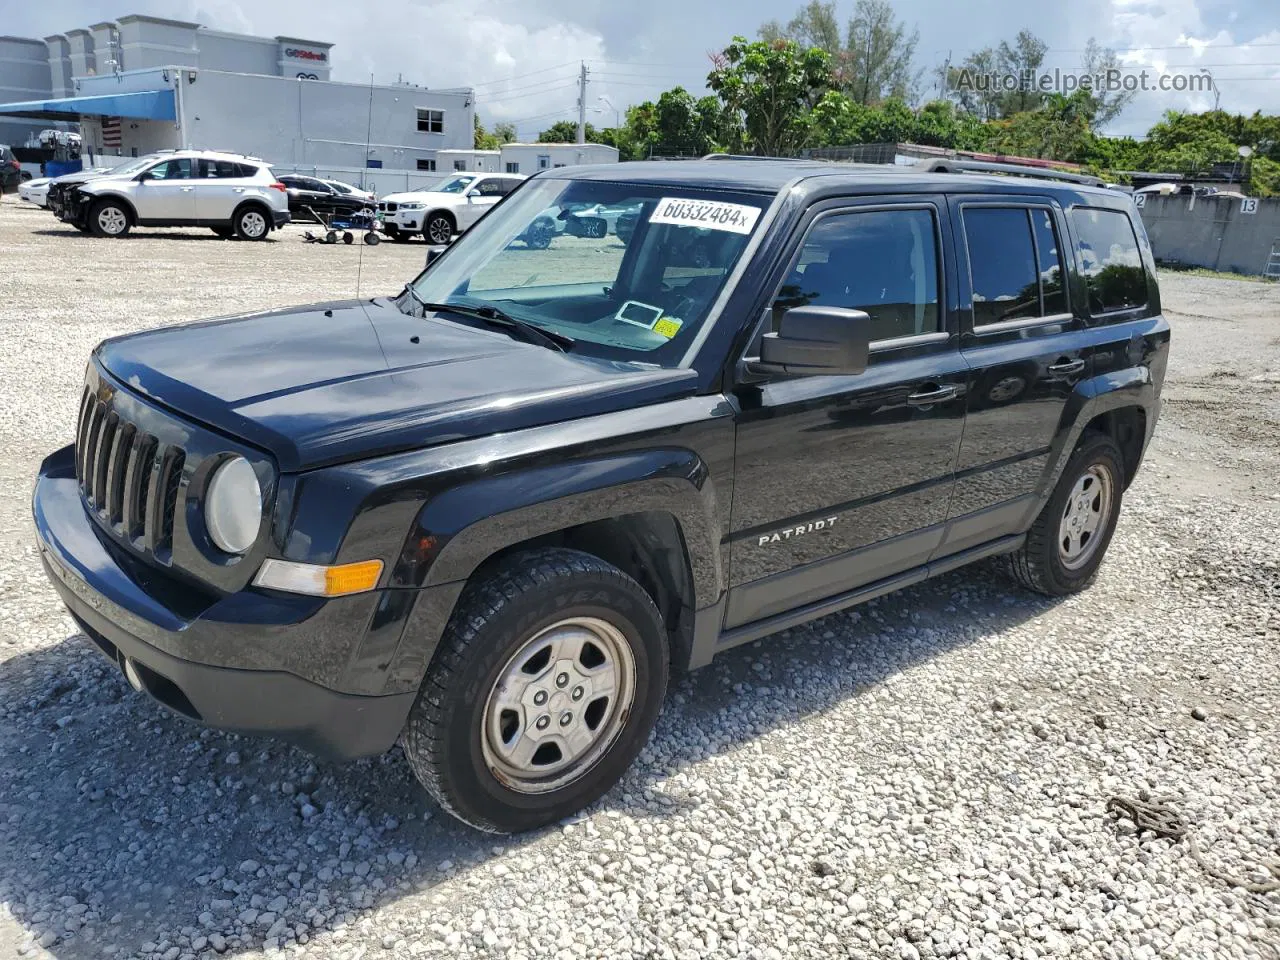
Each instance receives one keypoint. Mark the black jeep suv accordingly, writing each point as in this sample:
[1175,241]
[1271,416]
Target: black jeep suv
[492,512]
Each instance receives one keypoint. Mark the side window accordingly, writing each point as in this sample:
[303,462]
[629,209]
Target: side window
[172,170]
[1002,264]
[1049,255]
[245,170]
[491,188]
[1109,259]
[884,262]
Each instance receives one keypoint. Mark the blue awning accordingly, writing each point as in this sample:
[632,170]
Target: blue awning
[143,105]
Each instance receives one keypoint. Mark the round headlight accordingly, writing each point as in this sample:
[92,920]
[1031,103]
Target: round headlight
[233,506]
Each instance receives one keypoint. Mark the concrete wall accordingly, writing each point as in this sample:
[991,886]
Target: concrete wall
[154,42]
[1213,233]
[236,53]
[59,52]
[25,77]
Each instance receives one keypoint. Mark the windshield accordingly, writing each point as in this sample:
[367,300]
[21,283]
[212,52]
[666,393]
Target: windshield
[133,166]
[453,185]
[628,271]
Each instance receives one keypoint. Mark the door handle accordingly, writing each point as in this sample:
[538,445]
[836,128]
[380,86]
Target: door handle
[237,189]
[187,189]
[927,397]
[1067,366]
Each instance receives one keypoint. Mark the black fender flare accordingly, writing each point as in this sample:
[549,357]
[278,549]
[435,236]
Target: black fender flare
[1129,387]
[457,531]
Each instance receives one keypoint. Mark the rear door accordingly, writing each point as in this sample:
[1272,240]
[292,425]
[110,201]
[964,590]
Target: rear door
[167,193]
[1027,346]
[844,480]
[220,187]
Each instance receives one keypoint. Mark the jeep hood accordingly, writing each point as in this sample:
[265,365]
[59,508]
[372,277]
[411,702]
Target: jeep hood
[343,381]
[421,196]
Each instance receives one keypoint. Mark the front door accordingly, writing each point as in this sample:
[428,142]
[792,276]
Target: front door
[166,193]
[1027,349]
[481,195]
[842,481]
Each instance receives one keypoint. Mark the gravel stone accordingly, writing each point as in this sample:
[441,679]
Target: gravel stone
[869,785]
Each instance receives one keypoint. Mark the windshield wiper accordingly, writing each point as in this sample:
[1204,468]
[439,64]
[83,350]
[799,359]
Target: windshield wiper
[529,332]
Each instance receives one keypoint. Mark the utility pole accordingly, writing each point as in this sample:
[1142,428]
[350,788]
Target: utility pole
[582,102]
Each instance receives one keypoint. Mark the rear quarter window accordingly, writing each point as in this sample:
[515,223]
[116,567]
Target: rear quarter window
[1109,259]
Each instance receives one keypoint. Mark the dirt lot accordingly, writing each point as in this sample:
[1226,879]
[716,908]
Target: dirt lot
[925,776]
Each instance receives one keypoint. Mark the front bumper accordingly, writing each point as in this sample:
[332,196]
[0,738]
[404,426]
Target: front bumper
[129,622]
[410,220]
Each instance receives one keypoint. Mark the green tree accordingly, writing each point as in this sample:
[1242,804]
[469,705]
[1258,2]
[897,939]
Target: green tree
[874,59]
[879,55]
[483,139]
[815,25]
[982,84]
[1191,142]
[1023,58]
[772,86]
[1059,130]
[504,132]
[566,131]
[1107,104]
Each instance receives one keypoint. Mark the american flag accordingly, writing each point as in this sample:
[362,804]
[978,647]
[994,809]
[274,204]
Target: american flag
[111,138]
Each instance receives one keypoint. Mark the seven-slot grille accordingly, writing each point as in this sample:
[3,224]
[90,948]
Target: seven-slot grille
[127,477]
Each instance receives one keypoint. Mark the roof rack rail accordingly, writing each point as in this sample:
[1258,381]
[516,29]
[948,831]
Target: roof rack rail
[1013,169]
[749,156]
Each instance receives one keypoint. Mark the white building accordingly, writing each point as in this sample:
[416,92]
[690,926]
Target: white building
[529,158]
[142,83]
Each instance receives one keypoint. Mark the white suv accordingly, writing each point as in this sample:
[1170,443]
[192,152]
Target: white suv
[233,194]
[449,207]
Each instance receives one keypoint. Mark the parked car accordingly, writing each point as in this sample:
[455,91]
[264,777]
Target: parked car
[10,170]
[35,191]
[310,198]
[488,516]
[349,189]
[582,220]
[232,194]
[449,207]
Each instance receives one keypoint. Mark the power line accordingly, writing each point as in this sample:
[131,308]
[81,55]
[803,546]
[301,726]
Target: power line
[521,76]
[558,85]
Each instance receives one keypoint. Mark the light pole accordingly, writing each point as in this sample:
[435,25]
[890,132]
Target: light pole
[617,116]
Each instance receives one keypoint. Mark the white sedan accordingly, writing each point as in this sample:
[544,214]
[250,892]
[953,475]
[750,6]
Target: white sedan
[36,191]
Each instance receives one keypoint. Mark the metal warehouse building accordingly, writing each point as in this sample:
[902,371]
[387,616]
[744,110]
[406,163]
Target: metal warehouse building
[143,83]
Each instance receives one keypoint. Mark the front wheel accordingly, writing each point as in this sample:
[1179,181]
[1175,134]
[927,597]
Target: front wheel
[438,228]
[546,686]
[1068,540]
[109,218]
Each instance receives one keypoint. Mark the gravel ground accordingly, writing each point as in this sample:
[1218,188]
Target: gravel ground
[924,776]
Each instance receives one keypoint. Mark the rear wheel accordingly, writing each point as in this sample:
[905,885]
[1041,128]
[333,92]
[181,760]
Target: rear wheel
[546,685]
[109,218]
[1067,542]
[251,223]
[438,228]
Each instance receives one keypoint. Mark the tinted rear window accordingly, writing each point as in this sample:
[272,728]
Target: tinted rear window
[1109,259]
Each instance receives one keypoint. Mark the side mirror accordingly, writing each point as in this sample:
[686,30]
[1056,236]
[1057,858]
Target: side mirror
[473,194]
[434,251]
[144,176]
[816,341]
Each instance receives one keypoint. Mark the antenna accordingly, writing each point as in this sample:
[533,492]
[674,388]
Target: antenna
[368,144]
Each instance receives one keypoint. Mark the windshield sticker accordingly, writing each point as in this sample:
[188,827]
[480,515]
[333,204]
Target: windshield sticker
[708,214]
[639,314]
[668,326]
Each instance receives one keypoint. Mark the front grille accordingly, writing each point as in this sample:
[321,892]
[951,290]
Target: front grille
[387,207]
[127,477]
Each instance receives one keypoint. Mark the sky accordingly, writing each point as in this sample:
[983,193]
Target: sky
[522,56]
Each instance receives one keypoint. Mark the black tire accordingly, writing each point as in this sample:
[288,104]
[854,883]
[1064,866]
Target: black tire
[1039,564]
[438,228]
[252,222]
[495,618]
[109,218]
[348,236]
[396,234]
[540,235]
[372,239]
